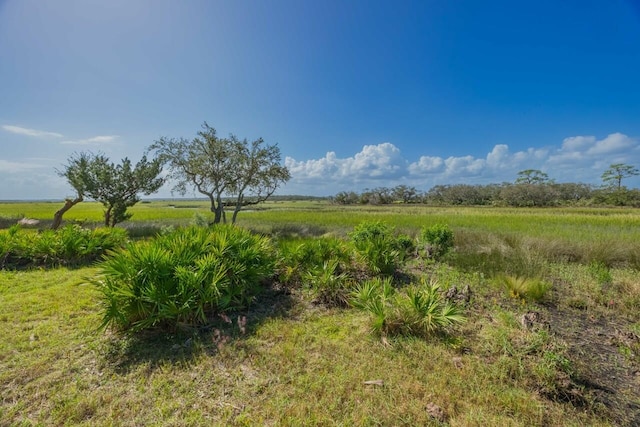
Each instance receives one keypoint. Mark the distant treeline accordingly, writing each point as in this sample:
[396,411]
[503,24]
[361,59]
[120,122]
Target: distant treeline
[505,194]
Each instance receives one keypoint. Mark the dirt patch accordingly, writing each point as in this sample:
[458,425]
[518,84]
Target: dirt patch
[603,374]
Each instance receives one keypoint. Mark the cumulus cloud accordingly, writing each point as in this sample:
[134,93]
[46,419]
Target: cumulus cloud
[588,152]
[574,160]
[498,161]
[30,132]
[614,143]
[96,140]
[374,161]
[426,165]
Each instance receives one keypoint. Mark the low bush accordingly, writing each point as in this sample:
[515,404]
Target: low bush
[436,240]
[417,310]
[71,245]
[329,283]
[378,248]
[184,276]
[298,257]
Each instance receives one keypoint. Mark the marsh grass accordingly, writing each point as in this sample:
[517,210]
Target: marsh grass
[557,234]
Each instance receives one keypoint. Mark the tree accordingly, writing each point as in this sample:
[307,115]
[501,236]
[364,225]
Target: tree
[259,173]
[532,176]
[346,198]
[76,172]
[115,186]
[222,166]
[613,176]
[521,195]
[405,194]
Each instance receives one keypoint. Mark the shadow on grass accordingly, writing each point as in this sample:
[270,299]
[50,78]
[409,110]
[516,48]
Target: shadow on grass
[183,344]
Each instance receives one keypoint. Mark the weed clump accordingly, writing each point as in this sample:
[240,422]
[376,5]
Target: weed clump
[418,310]
[524,288]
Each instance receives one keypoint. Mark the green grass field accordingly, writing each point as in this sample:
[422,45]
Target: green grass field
[299,363]
[622,224]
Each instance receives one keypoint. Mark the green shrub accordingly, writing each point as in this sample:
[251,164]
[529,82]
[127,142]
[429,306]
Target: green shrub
[525,288]
[418,310]
[436,240]
[374,296]
[70,245]
[377,247]
[297,257]
[184,276]
[406,245]
[329,283]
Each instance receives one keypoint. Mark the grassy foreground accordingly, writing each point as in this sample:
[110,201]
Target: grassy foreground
[299,363]
[295,365]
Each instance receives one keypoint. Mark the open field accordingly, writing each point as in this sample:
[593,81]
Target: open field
[301,363]
[621,224]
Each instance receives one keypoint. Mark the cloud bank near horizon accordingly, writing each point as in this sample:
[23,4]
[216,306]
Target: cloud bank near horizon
[577,159]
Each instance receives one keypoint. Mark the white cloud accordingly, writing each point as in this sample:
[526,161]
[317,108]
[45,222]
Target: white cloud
[587,152]
[498,155]
[380,161]
[577,159]
[30,132]
[614,143]
[463,166]
[96,140]
[425,165]
[576,143]
[7,166]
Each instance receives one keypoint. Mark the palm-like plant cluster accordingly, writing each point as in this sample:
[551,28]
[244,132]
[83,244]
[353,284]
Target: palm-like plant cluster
[378,247]
[524,288]
[184,276]
[71,245]
[436,240]
[417,310]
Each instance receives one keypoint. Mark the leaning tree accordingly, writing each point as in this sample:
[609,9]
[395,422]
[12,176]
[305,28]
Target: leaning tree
[76,172]
[116,186]
[217,167]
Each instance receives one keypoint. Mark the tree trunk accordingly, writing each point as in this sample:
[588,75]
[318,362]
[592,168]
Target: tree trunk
[107,217]
[68,204]
[237,208]
[217,208]
[220,211]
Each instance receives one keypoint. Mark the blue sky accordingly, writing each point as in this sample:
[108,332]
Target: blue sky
[356,94]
